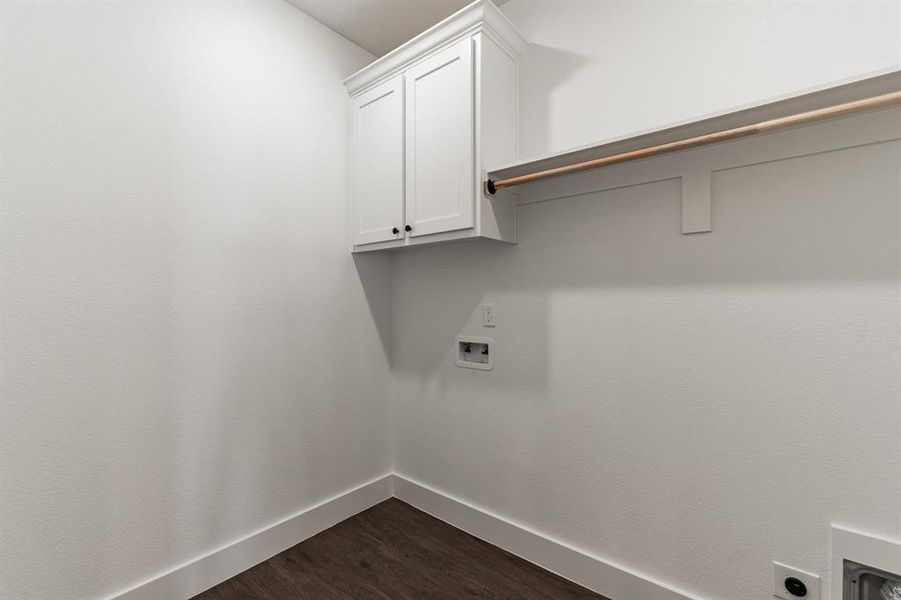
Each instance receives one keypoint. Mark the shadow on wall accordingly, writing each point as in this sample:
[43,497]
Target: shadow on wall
[606,244]
[371,269]
[614,328]
[542,69]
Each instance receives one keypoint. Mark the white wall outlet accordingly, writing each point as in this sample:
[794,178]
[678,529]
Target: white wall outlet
[790,583]
[488,315]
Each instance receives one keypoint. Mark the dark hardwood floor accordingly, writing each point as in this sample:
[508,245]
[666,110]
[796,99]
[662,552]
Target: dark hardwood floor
[394,551]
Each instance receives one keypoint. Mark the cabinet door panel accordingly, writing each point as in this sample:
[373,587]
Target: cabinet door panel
[439,142]
[377,159]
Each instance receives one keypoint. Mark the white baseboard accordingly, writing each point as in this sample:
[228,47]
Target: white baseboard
[203,573]
[590,571]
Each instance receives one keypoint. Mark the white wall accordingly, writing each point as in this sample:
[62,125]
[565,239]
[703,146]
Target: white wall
[188,352]
[602,69]
[689,407]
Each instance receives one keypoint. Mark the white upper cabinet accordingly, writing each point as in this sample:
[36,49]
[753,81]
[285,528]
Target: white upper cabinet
[440,139]
[427,120]
[377,163]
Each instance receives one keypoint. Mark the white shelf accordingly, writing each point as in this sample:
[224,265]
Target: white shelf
[810,99]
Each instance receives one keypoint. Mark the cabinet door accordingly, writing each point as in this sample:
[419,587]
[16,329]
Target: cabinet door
[377,163]
[440,137]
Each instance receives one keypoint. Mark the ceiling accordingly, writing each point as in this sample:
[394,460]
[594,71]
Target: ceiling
[380,25]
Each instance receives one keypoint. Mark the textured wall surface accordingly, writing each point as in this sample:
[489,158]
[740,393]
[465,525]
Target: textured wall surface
[188,352]
[691,407]
[598,70]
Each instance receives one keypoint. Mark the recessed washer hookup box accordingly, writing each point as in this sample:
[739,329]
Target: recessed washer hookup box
[861,582]
[474,352]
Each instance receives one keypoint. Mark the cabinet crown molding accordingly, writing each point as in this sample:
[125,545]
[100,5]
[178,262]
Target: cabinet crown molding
[481,15]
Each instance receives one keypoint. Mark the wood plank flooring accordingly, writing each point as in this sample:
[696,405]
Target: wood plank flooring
[396,552]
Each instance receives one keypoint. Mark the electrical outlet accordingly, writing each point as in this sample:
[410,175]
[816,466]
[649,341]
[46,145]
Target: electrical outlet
[488,315]
[791,584]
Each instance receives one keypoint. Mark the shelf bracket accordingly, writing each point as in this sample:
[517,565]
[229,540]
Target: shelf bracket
[696,202]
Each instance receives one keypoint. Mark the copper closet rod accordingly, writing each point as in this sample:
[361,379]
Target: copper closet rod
[803,118]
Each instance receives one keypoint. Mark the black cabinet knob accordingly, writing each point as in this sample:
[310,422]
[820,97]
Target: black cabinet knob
[395,230]
[407,228]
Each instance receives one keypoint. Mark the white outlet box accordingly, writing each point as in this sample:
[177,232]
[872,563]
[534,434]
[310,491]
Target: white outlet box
[782,572]
[488,315]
